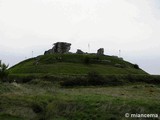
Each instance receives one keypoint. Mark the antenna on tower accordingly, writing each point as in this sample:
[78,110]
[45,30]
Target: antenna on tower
[119,53]
[32,54]
[88,47]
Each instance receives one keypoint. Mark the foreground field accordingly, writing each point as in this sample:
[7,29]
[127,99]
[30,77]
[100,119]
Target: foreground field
[47,101]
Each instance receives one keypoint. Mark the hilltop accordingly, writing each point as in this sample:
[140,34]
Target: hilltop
[60,85]
[75,64]
[58,61]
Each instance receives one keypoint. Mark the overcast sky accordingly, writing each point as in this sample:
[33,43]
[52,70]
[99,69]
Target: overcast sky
[132,26]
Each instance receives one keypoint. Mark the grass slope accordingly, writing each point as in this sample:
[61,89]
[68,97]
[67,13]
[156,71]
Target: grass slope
[52,96]
[74,64]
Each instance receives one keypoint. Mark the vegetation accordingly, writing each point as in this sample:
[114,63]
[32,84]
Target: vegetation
[3,71]
[136,66]
[77,87]
[44,100]
[95,79]
[74,64]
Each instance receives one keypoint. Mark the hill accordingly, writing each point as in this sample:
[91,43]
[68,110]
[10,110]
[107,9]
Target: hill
[78,86]
[75,64]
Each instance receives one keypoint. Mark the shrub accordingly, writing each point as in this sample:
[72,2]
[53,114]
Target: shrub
[37,107]
[21,78]
[87,60]
[77,81]
[136,66]
[3,71]
[92,79]
[114,80]
[95,78]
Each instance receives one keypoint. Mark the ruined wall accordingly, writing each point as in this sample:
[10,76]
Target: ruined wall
[100,51]
[59,47]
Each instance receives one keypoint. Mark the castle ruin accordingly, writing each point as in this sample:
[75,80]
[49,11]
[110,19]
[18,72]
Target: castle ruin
[59,47]
[64,47]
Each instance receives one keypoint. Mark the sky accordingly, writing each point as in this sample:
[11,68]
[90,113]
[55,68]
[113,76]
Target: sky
[132,26]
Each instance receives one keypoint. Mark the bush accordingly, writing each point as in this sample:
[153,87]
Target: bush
[92,79]
[21,78]
[87,60]
[136,66]
[3,71]
[76,81]
[95,78]
[37,107]
[114,80]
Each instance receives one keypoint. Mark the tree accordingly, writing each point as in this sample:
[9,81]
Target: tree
[3,71]
[136,66]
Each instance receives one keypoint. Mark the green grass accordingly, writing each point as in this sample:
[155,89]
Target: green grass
[74,68]
[74,64]
[45,100]
[40,95]
[9,117]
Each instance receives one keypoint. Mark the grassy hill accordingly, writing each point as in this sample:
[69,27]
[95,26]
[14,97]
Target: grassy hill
[78,87]
[75,64]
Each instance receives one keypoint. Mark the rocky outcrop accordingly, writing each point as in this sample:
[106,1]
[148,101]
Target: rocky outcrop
[59,47]
[79,51]
[100,51]
[64,47]
[50,51]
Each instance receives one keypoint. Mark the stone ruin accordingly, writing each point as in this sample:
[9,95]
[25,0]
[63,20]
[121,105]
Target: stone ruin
[79,51]
[100,51]
[59,47]
[64,47]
